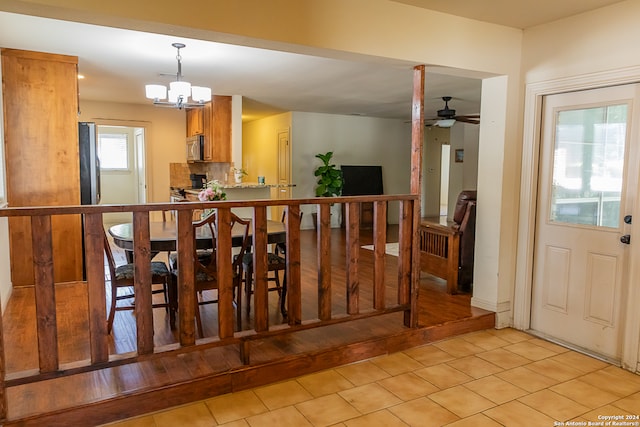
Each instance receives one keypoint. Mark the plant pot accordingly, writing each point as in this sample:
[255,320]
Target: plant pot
[238,178]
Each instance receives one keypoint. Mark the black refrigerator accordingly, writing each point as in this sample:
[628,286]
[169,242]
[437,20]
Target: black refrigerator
[89,164]
[89,173]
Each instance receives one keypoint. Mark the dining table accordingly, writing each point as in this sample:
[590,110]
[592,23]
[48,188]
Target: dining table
[162,236]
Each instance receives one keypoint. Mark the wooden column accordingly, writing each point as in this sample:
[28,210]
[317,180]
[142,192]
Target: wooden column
[417,138]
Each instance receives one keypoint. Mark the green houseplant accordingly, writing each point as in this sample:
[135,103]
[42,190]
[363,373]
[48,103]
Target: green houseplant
[329,180]
[329,177]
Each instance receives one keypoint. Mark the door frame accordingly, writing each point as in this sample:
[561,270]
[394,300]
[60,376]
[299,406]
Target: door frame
[534,95]
[146,134]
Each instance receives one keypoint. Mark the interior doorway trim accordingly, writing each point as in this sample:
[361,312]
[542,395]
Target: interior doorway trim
[147,136]
[534,95]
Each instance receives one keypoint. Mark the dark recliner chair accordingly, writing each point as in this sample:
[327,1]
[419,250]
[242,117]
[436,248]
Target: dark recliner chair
[464,218]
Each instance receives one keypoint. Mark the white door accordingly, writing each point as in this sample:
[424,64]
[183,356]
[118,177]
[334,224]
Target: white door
[587,184]
[140,169]
[284,168]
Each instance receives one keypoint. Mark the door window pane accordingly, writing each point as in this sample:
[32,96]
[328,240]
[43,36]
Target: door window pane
[588,165]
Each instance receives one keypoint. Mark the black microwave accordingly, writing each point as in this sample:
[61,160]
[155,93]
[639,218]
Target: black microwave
[195,148]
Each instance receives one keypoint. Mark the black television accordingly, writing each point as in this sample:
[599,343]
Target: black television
[361,180]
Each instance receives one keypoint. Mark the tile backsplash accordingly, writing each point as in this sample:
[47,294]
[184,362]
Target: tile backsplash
[179,172]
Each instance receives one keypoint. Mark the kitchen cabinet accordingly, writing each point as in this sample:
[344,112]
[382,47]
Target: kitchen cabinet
[195,121]
[216,128]
[40,100]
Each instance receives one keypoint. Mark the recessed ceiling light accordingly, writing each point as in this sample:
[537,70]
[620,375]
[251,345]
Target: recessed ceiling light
[80,76]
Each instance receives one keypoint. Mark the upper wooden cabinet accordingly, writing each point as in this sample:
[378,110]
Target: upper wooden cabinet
[214,122]
[195,121]
[40,96]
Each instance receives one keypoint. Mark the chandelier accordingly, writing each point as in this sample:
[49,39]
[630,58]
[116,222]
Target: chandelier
[179,90]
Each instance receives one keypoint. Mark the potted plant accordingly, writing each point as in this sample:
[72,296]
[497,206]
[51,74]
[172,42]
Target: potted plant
[238,173]
[329,179]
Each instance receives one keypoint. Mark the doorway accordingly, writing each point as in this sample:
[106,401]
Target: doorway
[123,168]
[586,189]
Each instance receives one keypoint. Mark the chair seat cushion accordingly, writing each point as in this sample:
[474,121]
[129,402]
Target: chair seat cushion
[272,259]
[202,256]
[125,272]
[202,276]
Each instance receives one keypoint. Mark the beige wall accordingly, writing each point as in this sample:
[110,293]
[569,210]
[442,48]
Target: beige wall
[260,147]
[354,141]
[595,48]
[604,39]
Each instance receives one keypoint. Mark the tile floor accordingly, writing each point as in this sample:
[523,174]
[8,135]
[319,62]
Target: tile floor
[489,378]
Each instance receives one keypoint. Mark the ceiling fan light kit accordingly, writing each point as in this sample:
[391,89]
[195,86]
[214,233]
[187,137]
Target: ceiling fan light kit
[447,116]
[446,123]
[179,90]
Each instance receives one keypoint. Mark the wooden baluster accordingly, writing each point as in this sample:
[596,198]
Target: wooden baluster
[324,261]
[44,290]
[186,284]
[379,244]
[94,267]
[353,254]
[225,274]
[142,282]
[404,252]
[261,290]
[294,290]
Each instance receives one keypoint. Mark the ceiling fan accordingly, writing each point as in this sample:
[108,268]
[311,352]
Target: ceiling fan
[447,116]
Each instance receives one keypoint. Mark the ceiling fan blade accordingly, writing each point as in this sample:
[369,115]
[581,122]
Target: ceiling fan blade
[467,119]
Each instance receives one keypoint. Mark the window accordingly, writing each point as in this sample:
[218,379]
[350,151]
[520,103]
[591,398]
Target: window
[113,151]
[588,165]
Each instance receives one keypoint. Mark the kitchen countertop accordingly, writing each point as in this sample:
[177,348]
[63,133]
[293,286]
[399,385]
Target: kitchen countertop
[250,185]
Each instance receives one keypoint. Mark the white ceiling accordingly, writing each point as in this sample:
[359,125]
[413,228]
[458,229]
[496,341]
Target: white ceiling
[118,63]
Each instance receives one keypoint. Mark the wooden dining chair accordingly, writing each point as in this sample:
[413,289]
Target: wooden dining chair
[123,276]
[276,262]
[206,271]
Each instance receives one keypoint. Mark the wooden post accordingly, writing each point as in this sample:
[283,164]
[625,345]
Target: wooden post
[353,256]
[142,282]
[45,294]
[225,274]
[294,290]
[94,265]
[379,252]
[260,270]
[186,280]
[417,139]
[324,262]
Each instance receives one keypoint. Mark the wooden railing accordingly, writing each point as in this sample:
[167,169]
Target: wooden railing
[47,332]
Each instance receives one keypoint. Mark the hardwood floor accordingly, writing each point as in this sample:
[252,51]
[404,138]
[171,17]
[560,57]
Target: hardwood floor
[106,395]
